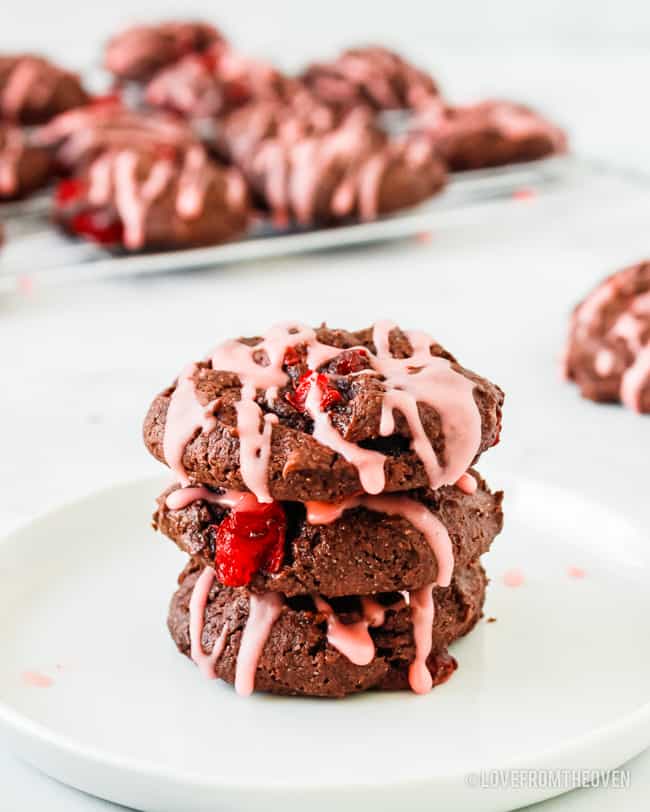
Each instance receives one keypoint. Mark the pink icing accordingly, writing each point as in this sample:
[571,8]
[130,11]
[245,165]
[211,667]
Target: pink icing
[181,498]
[635,379]
[424,378]
[198,601]
[514,578]
[352,639]
[37,680]
[604,362]
[422,616]
[24,76]
[375,612]
[433,530]
[467,484]
[263,611]
[10,154]
[369,464]
[185,416]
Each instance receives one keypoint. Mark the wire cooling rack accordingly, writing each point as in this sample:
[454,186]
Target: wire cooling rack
[37,253]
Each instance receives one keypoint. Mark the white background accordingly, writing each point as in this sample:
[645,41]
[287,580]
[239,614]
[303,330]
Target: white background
[79,365]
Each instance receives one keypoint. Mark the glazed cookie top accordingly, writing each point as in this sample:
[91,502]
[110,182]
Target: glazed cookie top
[495,119]
[212,83]
[79,136]
[303,414]
[145,198]
[371,76]
[608,352]
[33,90]
[138,52]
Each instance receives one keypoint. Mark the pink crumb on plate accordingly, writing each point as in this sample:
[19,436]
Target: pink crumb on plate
[513,577]
[37,680]
[424,237]
[525,193]
[576,572]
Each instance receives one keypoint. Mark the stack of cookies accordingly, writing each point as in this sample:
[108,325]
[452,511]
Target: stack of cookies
[325,495]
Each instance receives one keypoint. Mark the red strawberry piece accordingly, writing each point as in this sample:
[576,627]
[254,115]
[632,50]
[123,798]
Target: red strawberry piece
[249,541]
[329,394]
[291,357]
[351,361]
[98,227]
[69,191]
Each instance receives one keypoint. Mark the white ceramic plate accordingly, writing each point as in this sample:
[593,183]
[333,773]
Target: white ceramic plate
[561,679]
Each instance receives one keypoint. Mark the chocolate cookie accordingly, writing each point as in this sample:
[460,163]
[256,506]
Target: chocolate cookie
[78,137]
[608,351]
[213,83]
[137,53]
[141,199]
[310,647]
[346,549]
[374,77]
[33,90]
[492,133]
[353,171]
[325,414]
[23,167]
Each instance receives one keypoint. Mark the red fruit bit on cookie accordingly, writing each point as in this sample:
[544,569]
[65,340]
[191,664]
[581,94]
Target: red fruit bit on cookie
[351,361]
[248,541]
[68,191]
[98,227]
[291,357]
[329,395]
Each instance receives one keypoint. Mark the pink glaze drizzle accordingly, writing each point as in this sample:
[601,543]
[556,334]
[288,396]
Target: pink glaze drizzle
[37,680]
[352,639]
[424,378]
[10,155]
[22,78]
[514,578]
[182,497]
[422,616]
[433,530]
[467,484]
[198,602]
[185,416]
[263,612]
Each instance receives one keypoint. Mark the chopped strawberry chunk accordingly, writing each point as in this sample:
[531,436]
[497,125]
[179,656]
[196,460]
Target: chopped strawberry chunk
[249,541]
[329,394]
[351,361]
[69,191]
[291,357]
[97,227]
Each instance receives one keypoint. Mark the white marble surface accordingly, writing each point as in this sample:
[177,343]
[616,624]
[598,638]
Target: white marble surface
[80,364]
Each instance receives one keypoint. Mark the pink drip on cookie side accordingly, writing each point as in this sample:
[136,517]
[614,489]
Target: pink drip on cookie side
[422,617]
[423,519]
[198,603]
[263,611]
[352,640]
[10,155]
[185,417]
[423,378]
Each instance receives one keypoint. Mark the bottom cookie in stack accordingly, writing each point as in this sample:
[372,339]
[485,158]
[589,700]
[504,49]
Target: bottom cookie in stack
[310,646]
